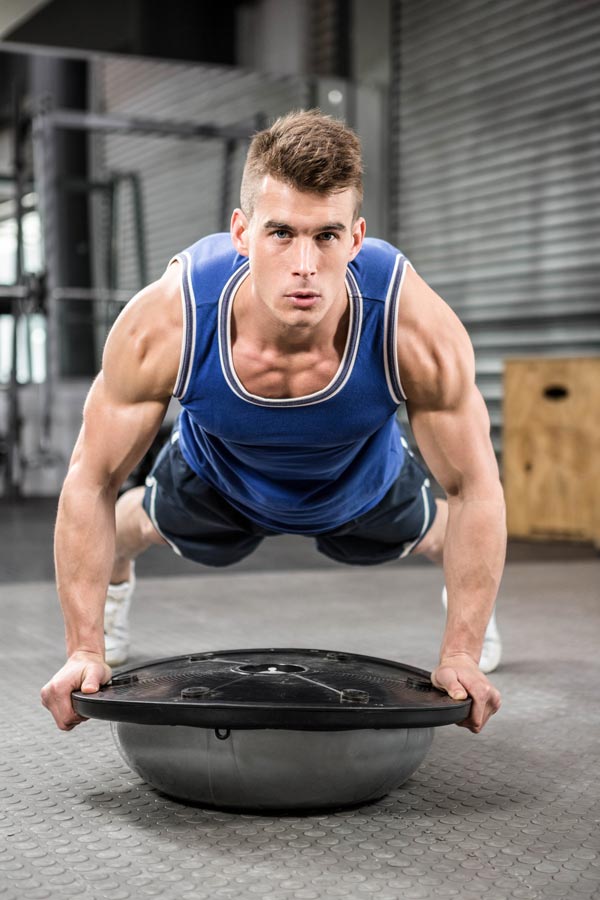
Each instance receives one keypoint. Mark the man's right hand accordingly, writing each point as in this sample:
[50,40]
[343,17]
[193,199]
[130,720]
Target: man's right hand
[82,671]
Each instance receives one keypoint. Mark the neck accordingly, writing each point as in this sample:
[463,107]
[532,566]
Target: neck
[256,323]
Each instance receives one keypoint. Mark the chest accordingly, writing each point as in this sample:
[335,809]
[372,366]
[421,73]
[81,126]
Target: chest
[284,375]
[318,399]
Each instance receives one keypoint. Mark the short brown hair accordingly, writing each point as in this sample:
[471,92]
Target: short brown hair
[307,150]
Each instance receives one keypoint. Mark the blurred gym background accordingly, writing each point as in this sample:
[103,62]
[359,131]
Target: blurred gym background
[123,129]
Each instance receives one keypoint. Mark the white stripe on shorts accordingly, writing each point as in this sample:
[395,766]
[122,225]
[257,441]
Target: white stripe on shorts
[426,519]
[152,483]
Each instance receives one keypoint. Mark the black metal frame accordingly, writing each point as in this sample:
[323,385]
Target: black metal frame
[40,127]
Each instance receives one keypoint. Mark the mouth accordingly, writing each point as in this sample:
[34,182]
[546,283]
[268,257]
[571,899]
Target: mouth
[303,299]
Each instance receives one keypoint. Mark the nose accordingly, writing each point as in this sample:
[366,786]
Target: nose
[305,258]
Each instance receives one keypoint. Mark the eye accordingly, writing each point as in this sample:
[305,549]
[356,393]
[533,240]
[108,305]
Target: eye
[327,236]
[280,233]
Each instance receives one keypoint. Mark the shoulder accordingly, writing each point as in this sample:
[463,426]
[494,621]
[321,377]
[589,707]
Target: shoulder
[211,261]
[141,355]
[435,355]
[376,265]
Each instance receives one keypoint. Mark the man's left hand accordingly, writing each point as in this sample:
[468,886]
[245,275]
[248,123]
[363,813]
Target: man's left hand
[460,677]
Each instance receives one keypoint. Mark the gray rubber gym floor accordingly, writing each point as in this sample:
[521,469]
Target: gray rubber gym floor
[511,813]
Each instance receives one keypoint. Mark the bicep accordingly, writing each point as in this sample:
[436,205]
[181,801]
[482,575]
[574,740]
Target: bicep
[129,399]
[115,434]
[455,443]
[447,413]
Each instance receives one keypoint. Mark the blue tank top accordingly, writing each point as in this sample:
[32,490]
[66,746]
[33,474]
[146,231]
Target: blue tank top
[305,464]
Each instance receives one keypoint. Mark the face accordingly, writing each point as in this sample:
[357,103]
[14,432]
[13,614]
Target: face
[299,245]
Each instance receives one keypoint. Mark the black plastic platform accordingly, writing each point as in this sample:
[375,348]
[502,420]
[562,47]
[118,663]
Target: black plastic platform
[308,690]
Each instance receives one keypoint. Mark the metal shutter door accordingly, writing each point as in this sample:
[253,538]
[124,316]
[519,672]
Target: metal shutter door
[498,170]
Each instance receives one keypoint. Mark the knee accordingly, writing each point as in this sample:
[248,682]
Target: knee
[432,543]
[146,530]
[146,527]
[133,520]
[130,500]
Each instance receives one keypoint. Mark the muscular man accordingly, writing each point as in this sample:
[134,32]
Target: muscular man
[290,344]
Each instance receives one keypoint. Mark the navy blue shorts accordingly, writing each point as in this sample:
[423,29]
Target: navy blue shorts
[199,523]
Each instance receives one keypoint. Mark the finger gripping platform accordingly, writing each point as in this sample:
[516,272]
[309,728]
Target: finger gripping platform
[273,728]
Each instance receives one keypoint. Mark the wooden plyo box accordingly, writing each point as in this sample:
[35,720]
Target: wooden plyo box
[551,448]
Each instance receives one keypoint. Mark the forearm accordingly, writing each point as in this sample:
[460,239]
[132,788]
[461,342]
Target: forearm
[84,552]
[474,553]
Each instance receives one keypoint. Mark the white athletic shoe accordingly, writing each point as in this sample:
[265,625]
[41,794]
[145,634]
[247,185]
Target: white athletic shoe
[116,621]
[491,652]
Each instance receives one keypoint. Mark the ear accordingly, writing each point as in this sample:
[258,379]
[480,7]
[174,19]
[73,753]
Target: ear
[358,236]
[239,232]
